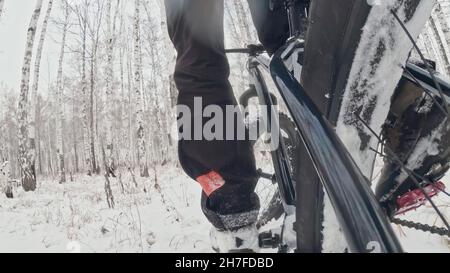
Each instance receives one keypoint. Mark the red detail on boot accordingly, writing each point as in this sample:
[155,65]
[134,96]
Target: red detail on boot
[211,182]
[415,199]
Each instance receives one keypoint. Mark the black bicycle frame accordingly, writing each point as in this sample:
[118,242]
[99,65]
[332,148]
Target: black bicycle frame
[281,164]
[362,220]
[295,9]
[423,76]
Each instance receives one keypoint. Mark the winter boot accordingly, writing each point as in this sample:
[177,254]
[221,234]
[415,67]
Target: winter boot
[243,240]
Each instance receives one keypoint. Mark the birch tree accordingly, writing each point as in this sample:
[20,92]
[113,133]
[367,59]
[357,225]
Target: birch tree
[110,88]
[168,62]
[125,92]
[127,101]
[110,99]
[435,38]
[442,46]
[2,2]
[241,34]
[89,24]
[60,101]
[142,159]
[82,17]
[440,25]
[94,33]
[28,171]
[35,87]
[157,135]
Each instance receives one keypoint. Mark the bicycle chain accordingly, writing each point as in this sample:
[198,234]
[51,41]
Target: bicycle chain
[422,227]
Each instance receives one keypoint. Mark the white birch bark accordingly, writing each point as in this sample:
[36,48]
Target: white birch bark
[28,174]
[157,134]
[129,129]
[94,33]
[35,87]
[5,179]
[142,159]
[434,41]
[441,31]
[82,19]
[110,97]
[85,117]
[60,103]
[241,34]
[168,63]
[125,97]
[242,13]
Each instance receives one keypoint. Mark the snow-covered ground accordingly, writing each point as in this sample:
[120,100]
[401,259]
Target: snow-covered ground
[75,217]
[61,218]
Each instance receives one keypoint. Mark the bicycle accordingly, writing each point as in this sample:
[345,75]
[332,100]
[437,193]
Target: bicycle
[364,219]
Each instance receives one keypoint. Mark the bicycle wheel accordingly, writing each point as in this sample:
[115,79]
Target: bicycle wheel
[357,105]
[271,204]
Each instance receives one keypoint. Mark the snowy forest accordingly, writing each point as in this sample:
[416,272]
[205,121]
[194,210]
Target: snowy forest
[109,102]
[88,152]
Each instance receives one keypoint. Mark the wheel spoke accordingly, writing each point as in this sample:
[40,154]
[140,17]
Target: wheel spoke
[397,160]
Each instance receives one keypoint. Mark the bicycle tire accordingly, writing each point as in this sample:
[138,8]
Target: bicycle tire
[275,209]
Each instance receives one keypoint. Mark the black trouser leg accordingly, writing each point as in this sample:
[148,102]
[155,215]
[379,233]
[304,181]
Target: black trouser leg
[271,24]
[224,168]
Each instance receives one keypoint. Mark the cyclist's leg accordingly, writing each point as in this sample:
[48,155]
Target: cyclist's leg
[272,25]
[225,169]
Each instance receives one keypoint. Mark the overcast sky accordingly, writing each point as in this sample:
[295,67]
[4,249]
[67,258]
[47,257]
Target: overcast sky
[13,30]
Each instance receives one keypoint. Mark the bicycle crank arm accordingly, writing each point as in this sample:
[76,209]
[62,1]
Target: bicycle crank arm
[267,176]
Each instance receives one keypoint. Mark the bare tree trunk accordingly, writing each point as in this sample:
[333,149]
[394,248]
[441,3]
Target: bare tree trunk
[92,117]
[75,151]
[94,29]
[438,25]
[28,172]
[49,152]
[110,90]
[108,155]
[5,179]
[129,130]
[434,40]
[39,130]
[108,190]
[89,159]
[142,159]
[168,64]
[242,17]
[2,2]
[34,90]
[160,95]
[123,117]
[241,34]
[75,135]
[82,18]
[60,102]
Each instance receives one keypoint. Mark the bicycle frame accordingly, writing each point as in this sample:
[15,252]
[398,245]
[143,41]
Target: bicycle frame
[286,187]
[362,219]
[425,80]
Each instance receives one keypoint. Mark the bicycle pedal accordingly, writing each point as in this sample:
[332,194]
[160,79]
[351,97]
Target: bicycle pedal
[416,198]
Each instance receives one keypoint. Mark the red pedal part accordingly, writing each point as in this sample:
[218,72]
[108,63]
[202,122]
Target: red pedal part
[415,199]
